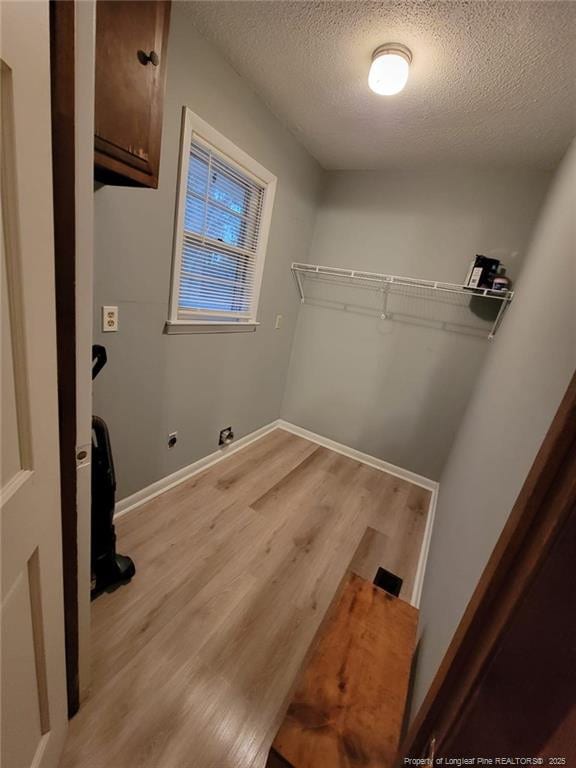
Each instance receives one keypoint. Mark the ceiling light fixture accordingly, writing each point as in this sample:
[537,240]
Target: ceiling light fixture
[389,69]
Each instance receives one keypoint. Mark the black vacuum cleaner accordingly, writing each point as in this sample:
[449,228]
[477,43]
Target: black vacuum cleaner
[109,569]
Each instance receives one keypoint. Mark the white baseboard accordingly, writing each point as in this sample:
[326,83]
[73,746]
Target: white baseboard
[365,458]
[424,550]
[160,486]
[165,483]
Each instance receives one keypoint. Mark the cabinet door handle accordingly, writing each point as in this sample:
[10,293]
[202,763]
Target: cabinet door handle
[149,58]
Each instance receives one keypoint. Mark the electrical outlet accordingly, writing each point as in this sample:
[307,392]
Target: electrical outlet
[226,436]
[109,319]
[172,439]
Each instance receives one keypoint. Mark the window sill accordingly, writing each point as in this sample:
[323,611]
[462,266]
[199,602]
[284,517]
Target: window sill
[182,328]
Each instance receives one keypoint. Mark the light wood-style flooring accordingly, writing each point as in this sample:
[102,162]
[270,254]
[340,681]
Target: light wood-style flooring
[195,660]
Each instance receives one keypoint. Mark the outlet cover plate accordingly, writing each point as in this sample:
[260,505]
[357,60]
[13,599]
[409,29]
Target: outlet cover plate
[109,319]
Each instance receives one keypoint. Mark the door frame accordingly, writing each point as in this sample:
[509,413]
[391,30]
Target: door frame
[62,66]
[72,35]
[539,513]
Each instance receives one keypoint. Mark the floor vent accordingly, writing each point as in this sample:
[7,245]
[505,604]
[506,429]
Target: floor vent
[388,581]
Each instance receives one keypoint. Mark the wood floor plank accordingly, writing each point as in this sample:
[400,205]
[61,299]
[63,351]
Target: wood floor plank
[195,525]
[194,661]
[370,554]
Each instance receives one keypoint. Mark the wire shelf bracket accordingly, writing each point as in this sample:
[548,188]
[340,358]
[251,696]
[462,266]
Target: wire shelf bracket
[387,283]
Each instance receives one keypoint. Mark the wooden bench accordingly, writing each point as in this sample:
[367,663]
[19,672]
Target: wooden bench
[349,704]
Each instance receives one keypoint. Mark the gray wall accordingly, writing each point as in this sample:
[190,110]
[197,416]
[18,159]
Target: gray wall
[195,384]
[523,380]
[398,390]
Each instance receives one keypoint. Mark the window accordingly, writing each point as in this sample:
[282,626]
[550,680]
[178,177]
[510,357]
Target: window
[224,207]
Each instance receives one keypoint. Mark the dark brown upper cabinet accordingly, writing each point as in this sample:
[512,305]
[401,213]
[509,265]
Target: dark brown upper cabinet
[131,47]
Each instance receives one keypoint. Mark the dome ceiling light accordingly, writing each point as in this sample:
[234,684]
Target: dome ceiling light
[389,69]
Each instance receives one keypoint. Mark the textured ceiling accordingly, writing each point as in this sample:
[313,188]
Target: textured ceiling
[492,83]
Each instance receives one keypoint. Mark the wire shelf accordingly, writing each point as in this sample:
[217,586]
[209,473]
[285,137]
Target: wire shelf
[410,287]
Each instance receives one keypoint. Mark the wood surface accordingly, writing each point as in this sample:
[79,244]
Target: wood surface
[194,662]
[62,70]
[129,94]
[542,508]
[348,708]
[374,549]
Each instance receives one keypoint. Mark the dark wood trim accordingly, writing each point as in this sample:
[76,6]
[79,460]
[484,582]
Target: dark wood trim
[62,54]
[541,509]
[110,170]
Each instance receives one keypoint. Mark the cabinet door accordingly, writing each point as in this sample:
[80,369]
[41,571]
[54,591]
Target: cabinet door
[131,44]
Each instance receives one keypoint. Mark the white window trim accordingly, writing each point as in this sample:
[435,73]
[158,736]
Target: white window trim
[192,125]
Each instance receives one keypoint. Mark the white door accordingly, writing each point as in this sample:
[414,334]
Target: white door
[34,710]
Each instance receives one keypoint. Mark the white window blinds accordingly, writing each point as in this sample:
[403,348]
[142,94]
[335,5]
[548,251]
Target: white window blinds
[223,221]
